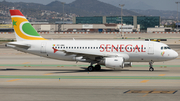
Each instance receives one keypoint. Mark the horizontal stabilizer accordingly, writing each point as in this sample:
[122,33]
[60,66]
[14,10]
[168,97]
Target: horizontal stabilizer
[19,45]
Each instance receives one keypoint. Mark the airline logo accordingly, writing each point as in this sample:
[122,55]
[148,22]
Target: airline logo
[121,48]
[162,53]
[22,27]
[55,48]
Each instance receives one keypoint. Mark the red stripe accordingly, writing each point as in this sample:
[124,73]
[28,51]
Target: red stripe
[16,12]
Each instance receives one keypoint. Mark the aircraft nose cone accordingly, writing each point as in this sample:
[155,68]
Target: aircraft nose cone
[175,54]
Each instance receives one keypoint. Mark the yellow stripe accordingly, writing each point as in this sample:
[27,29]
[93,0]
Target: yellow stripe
[18,31]
[13,80]
[162,74]
[48,74]
[144,81]
[148,93]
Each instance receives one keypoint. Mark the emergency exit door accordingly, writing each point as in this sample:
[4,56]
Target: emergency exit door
[151,49]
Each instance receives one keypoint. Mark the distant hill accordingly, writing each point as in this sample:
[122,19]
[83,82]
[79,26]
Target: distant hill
[98,8]
[79,7]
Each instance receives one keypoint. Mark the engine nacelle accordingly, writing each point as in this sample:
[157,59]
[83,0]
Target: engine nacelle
[114,62]
[127,64]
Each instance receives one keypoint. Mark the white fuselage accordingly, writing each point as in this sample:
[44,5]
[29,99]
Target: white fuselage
[132,51]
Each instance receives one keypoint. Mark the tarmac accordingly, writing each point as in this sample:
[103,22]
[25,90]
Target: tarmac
[26,77]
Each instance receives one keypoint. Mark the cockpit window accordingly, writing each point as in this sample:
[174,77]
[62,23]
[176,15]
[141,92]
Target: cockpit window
[165,47]
[161,48]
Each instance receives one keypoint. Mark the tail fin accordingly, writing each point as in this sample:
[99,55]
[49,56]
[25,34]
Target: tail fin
[23,29]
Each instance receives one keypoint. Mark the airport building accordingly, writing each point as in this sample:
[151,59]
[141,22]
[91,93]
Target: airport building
[6,28]
[143,21]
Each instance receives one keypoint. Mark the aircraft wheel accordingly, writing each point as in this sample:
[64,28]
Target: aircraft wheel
[90,68]
[98,67]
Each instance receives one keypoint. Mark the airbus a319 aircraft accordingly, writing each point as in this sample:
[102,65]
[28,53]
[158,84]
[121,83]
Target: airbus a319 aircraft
[111,54]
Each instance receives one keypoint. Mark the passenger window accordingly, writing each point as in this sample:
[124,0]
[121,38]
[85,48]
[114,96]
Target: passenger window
[165,47]
[144,47]
[168,47]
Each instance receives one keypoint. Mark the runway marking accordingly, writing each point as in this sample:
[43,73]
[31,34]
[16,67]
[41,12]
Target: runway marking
[90,77]
[144,81]
[26,62]
[146,92]
[13,80]
[49,74]
[162,74]
[64,65]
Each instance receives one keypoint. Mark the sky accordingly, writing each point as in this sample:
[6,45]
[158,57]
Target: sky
[129,4]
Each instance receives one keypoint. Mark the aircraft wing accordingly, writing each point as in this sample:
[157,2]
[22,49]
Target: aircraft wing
[94,55]
[19,45]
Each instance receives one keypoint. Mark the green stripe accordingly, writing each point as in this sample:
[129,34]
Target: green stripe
[43,65]
[88,77]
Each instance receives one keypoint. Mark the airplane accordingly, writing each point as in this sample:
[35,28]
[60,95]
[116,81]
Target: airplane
[109,53]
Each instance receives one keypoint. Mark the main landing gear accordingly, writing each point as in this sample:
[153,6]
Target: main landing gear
[151,66]
[97,68]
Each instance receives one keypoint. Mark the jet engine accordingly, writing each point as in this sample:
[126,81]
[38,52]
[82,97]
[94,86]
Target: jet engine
[114,62]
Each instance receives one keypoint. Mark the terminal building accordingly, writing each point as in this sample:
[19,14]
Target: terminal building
[143,21]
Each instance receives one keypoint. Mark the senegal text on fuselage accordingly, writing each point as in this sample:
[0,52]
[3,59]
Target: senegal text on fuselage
[121,48]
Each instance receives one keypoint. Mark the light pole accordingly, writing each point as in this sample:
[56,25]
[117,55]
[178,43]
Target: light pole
[177,14]
[122,34]
[63,14]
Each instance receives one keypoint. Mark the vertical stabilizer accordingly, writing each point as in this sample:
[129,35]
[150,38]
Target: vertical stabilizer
[23,29]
